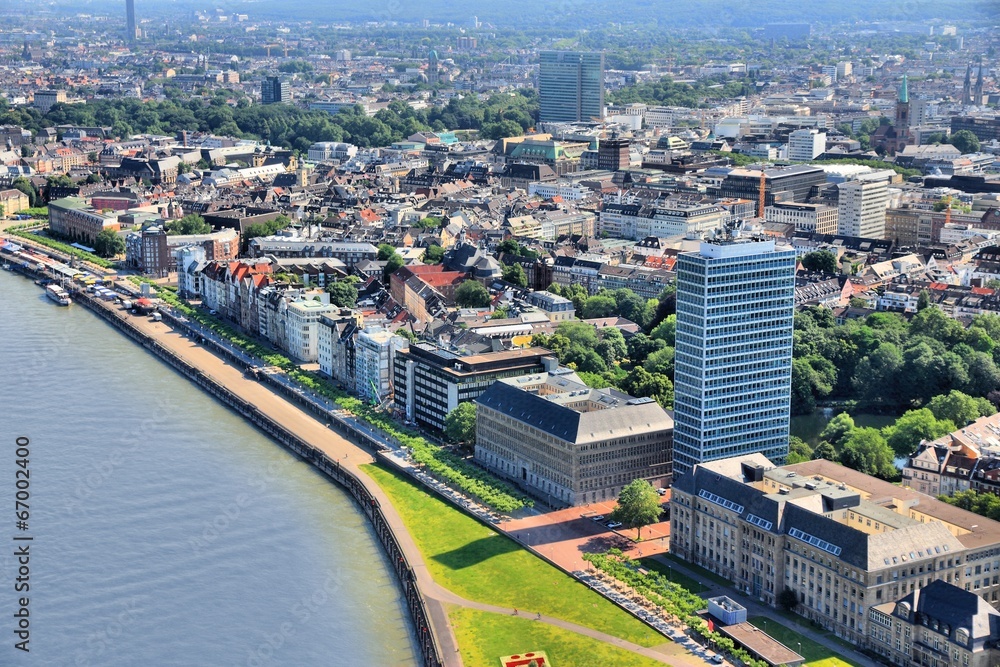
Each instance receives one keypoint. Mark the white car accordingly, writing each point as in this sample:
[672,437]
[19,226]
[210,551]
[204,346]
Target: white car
[614,524]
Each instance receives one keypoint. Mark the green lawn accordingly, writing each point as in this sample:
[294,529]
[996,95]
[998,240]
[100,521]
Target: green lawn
[816,655]
[479,564]
[485,637]
[657,565]
[702,573]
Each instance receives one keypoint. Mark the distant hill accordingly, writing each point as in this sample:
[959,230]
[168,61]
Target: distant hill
[578,14]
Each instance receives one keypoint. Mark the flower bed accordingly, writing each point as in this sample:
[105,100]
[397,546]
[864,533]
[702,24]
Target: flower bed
[671,598]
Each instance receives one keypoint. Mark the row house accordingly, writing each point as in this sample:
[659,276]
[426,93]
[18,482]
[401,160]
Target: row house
[580,270]
[645,281]
[952,462]
[955,300]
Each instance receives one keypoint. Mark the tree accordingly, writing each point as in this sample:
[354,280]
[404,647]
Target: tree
[515,275]
[865,450]
[798,450]
[787,599]
[923,300]
[460,423]
[965,141]
[598,306]
[343,293]
[433,255]
[824,450]
[109,244]
[612,346]
[388,254]
[838,429]
[914,426]
[472,294]
[666,330]
[959,408]
[638,506]
[820,260]
[189,224]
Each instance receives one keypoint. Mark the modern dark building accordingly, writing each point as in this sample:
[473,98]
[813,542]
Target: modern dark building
[796,183]
[986,128]
[429,382]
[130,29]
[274,90]
[570,86]
[613,154]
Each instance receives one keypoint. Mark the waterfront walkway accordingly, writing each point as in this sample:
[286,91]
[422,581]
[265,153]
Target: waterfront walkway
[351,456]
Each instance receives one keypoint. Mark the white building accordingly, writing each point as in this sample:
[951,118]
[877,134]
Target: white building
[812,218]
[302,325]
[191,260]
[324,151]
[861,208]
[806,144]
[374,353]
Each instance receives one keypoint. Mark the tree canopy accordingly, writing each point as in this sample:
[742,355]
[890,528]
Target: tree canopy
[189,224]
[109,244]
[460,423]
[638,505]
[472,294]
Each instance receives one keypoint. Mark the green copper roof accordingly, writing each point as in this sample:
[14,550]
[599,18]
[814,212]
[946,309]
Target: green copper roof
[904,91]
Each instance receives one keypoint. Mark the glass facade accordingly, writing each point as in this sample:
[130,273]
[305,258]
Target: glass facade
[732,380]
[570,86]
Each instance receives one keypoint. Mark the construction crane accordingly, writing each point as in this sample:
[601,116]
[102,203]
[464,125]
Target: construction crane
[763,191]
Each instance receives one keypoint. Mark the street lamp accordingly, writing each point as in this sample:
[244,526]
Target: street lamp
[800,648]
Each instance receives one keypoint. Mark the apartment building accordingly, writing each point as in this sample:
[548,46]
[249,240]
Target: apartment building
[74,218]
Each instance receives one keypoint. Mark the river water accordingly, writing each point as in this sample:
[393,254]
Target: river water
[166,531]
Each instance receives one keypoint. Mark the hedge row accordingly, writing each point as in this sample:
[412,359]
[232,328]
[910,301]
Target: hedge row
[438,461]
[672,598]
[61,247]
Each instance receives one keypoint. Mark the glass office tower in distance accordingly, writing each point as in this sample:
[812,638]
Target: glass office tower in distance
[733,365]
[570,86]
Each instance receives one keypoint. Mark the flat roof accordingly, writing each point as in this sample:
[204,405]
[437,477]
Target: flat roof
[759,642]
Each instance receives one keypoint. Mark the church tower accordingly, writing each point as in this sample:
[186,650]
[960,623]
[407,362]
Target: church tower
[902,123]
[977,94]
[967,86]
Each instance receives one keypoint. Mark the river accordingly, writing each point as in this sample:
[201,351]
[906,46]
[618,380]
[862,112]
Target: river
[166,530]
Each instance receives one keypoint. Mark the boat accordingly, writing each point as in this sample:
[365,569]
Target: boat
[58,294]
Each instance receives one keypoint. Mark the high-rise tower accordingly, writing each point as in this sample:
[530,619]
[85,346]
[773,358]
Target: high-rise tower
[130,29]
[732,378]
[570,86]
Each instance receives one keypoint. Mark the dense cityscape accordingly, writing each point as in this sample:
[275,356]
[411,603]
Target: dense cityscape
[634,345]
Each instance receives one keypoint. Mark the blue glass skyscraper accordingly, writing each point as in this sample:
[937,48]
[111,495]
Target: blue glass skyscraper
[733,364]
[570,86]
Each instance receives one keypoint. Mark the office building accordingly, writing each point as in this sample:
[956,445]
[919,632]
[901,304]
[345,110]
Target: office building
[429,382]
[46,99]
[844,543]
[130,27]
[73,218]
[570,444]
[613,154]
[811,218]
[570,86]
[986,128]
[795,183]
[274,90]
[806,144]
[861,206]
[732,378]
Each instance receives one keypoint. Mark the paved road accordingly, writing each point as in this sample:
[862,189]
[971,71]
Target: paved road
[351,456]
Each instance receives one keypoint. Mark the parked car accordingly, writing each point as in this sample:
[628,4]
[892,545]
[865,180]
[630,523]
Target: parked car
[599,517]
[614,524]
